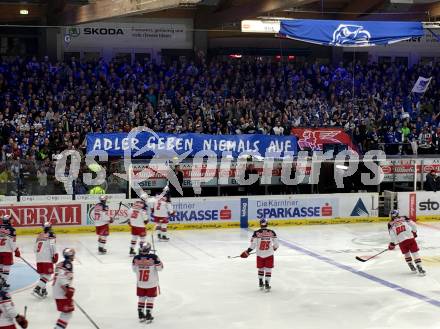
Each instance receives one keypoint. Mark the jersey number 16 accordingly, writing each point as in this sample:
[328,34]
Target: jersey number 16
[144,275]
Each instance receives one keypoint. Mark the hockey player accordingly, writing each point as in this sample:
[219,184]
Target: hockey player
[266,242]
[46,255]
[403,232]
[102,221]
[7,248]
[162,209]
[146,266]
[62,288]
[8,313]
[138,217]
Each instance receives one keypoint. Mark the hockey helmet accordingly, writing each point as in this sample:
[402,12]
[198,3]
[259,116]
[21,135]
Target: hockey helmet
[69,254]
[264,222]
[103,198]
[394,213]
[47,227]
[6,220]
[145,249]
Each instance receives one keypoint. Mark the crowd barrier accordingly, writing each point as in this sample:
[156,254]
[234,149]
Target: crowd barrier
[69,215]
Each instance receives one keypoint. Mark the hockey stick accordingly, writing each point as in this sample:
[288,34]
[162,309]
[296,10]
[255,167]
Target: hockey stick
[367,259]
[230,257]
[76,304]
[25,311]
[152,242]
[116,213]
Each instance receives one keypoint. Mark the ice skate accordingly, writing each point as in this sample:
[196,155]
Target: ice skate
[412,267]
[37,292]
[141,316]
[102,250]
[148,317]
[261,284]
[164,238]
[132,252]
[267,287]
[422,272]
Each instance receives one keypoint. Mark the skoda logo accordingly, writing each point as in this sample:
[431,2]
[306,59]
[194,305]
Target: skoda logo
[74,32]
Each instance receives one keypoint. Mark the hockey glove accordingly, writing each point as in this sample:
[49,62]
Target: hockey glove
[21,320]
[244,254]
[69,292]
[55,259]
[414,234]
[17,253]
[391,246]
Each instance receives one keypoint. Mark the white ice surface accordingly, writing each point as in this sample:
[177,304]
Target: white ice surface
[202,288]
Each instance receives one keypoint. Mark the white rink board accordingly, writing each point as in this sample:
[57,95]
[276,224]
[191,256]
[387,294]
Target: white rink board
[420,204]
[221,210]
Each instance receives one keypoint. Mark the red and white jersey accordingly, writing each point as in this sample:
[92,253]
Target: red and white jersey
[137,214]
[162,208]
[7,310]
[63,278]
[101,214]
[265,242]
[401,229]
[146,268]
[45,248]
[8,238]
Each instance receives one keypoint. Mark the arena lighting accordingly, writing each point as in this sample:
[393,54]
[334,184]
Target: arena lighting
[342,167]
[235,56]
[24,12]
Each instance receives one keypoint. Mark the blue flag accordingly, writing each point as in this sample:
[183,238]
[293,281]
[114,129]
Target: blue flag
[350,33]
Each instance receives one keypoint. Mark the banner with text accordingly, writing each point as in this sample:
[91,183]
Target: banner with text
[416,205]
[145,144]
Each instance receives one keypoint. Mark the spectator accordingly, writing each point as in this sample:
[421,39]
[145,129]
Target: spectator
[432,181]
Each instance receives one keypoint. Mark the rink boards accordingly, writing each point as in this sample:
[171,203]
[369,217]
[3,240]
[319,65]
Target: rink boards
[76,216]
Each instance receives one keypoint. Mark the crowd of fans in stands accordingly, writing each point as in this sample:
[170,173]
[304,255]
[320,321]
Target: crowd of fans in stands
[49,107]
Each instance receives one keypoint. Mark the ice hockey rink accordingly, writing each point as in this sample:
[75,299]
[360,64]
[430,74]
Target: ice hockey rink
[317,282]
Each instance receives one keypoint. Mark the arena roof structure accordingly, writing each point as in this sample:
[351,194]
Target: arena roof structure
[213,14]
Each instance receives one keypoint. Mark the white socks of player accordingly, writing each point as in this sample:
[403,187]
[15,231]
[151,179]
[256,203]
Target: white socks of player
[44,279]
[63,320]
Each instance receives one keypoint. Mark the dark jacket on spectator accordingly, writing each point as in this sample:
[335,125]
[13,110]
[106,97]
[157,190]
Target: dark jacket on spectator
[432,182]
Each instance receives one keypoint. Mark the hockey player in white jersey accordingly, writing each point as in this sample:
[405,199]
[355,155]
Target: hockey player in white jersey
[8,248]
[138,218]
[8,314]
[162,210]
[265,242]
[102,220]
[63,290]
[403,232]
[146,266]
[46,255]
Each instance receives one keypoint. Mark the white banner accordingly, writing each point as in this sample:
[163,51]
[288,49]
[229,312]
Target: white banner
[419,204]
[128,35]
[421,85]
[196,210]
[321,206]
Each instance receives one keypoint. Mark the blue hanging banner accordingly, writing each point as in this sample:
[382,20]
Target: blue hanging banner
[349,33]
[145,144]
